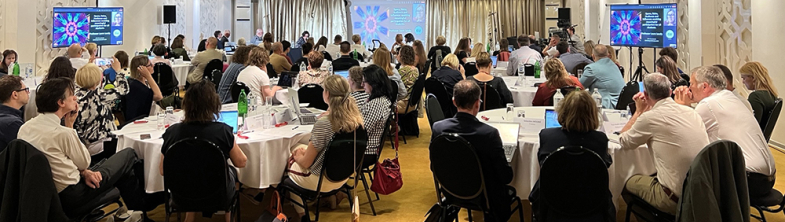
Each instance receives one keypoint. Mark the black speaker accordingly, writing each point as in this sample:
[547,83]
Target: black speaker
[170,14]
[564,14]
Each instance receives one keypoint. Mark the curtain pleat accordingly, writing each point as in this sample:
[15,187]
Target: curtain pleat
[287,19]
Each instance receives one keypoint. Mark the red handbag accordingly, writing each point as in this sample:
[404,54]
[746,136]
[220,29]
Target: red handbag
[387,176]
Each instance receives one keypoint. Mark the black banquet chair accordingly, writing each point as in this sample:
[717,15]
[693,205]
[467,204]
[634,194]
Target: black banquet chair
[164,77]
[236,88]
[408,120]
[312,94]
[336,167]
[490,98]
[771,119]
[433,110]
[573,186]
[461,185]
[471,69]
[195,178]
[215,64]
[435,87]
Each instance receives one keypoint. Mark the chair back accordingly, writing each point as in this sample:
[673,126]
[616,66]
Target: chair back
[625,97]
[164,77]
[339,158]
[425,68]
[215,64]
[271,71]
[196,175]
[573,184]
[564,91]
[456,167]
[216,78]
[470,69]
[327,56]
[580,66]
[236,88]
[394,92]
[295,54]
[490,98]
[433,109]
[435,87]
[359,56]
[312,94]
[771,119]
[417,88]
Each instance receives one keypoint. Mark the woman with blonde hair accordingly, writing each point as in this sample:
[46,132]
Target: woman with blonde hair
[92,49]
[255,74]
[756,77]
[478,47]
[589,46]
[667,67]
[342,116]
[382,58]
[450,73]
[356,83]
[612,56]
[95,122]
[557,78]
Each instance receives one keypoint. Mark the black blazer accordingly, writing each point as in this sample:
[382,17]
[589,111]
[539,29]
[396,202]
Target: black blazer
[28,193]
[488,144]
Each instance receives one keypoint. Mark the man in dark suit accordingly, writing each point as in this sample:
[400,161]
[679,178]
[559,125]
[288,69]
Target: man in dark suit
[486,142]
[345,61]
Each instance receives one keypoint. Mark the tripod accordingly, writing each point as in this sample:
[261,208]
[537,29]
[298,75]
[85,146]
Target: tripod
[638,75]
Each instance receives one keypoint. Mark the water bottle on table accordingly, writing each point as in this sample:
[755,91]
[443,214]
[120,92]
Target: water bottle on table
[557,98]
[161,121]
[597,98]
[521,76]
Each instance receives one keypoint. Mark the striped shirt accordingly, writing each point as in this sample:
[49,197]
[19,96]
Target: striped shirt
[375,114]
[321,135]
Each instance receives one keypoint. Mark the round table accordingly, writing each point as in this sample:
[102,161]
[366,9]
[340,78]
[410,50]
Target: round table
[267,151]
[526,167]
[522,96]
[181,72]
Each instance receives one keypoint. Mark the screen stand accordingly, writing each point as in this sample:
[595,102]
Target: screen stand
[638,76]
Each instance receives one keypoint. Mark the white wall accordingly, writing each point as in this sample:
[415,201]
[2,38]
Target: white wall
[767,47]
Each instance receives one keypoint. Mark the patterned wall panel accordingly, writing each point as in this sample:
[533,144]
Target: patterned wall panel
[683,34]
[2,24]
[580,8]
[209,15]
[44,52]
[179,27]
[734,33]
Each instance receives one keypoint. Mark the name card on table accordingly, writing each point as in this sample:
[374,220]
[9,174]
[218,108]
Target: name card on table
[172,119]
[612,127]
[255,122]
[530,125]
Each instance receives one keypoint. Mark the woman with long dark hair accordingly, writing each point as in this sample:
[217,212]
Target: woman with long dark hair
[376,110]
[60,67]
[463,49]
[9,58]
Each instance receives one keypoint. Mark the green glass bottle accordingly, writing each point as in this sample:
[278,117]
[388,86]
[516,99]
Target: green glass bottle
[242,109]
[16,69]
[537,69]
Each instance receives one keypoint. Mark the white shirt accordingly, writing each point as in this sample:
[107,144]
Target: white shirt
[157,59]
[61,146]
[675,134]
[255,78]
[78,62]
[523,55]
[334,50]
[726,118]
[742,98]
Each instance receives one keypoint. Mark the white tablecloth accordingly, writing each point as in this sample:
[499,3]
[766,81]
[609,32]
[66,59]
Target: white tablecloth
[267,151]
[522,95]
[526,167]
[181,72]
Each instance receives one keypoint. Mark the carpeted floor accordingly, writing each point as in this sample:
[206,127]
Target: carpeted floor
[417,195]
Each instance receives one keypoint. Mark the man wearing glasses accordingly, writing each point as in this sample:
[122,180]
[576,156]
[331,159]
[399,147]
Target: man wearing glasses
[13,94]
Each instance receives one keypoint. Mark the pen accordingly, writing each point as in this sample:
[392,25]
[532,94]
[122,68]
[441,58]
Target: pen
[294,128]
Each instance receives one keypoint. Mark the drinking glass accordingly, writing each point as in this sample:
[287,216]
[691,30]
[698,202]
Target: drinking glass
[510,111]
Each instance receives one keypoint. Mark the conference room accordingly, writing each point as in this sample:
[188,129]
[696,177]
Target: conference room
[422,110]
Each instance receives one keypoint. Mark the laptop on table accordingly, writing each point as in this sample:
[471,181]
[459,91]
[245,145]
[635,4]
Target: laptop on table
[305,116]
[509,133]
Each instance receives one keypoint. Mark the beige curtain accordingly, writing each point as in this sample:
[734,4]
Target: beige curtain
[287,19]
[455,19]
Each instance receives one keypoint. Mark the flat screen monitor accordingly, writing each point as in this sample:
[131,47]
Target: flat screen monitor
[551,119]
[80,25]
[493,60]
[645,25]
[230,118]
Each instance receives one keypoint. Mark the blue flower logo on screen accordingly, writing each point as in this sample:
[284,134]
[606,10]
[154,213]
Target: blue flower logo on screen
[625,27]
[70,28]
[370,24]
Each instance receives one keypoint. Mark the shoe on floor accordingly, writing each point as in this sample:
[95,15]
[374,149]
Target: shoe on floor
[122,214]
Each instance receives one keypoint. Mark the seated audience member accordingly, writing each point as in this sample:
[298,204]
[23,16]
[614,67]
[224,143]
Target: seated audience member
[60,67]
[463,49]
[674,133]
[9,58]
[223,39]
[396,47]
[504,51]
[199,62]
[314,74]
[478,47]
[579,119]
[343,117]
[578,48]
[523,55]
[255,74]
[557,78]
[726,118]
[409,39]
[345,61]
[359,47]
[450,73]
[440,41]
[241,42]
[666,66]
[143,90]
[356,84]
[673,54]
[409,74]
[550,49]
[257,39]
[302,40]
[202,108]
[160,52]
[497,173]
[335,49]
[756,77]
[287,47]
[202,46]
[321,45]
[75,55]
[229,78]
[484,77]
[419,56]
[729,76]
[570,59]
[267,42]
[310,40]
[122,59]
[533,43]
[91,49]
[604,76]
[376,109]
[307,49]
[13,95]
[95,122]
[178,49]
[589,46]
[612,56]
[381,58]
[69,159]
[278,59]
[155,41]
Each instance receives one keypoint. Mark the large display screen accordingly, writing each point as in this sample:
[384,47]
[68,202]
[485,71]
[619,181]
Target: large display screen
[649,25]
[102,26]
[383,19]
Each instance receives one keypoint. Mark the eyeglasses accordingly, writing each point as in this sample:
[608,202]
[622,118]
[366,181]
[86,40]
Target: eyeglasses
[149,65]
[27,89]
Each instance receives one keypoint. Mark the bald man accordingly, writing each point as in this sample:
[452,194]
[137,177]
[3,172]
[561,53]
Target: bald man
[201,59]
[278,59]
[604,76]
[75,55]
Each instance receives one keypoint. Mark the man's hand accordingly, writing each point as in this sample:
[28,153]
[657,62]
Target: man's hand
[92,178]
[683,96]
[70,117]
[641,105]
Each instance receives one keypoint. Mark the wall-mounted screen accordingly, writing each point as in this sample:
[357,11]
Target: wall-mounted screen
[102,26]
